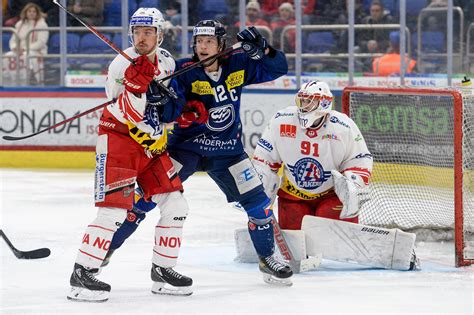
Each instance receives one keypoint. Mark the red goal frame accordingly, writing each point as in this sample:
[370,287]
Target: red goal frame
[458,158]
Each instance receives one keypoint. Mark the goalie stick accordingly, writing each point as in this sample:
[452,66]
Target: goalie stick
[296,265]
[32,254]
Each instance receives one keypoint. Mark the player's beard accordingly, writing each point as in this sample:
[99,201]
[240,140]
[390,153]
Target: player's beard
[144,49]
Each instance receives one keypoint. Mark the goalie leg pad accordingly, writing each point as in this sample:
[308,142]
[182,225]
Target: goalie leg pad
[169,230]
[357,243]
[98,235]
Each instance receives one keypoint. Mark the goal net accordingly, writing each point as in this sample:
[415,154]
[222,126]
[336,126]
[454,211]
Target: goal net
[422,141]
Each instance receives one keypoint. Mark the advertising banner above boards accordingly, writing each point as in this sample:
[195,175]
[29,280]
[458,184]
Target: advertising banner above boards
[336,81]
[22,116]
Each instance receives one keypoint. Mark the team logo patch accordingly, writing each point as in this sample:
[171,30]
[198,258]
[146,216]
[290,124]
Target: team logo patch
[288,131]
[220,118]
[309,173]
[311,133]
[252,226]
[131,217]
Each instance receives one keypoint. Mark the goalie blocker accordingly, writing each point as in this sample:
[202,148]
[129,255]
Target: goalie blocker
[344,242]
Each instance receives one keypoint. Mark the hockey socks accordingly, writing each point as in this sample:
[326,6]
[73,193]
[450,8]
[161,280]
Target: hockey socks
[134,218]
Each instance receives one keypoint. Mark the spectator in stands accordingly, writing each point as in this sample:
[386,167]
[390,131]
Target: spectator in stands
[390,63]
[90,11]
[285,17]
[270,8]
[12,14]
[376,40]
[26,41]
[172,11]
[252,13]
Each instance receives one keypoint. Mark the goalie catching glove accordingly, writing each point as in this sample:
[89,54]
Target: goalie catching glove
[253,43]
[350,190]
[155,145]
[193,111]
[139,74]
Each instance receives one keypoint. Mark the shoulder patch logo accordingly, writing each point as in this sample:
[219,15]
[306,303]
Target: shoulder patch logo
[235,79]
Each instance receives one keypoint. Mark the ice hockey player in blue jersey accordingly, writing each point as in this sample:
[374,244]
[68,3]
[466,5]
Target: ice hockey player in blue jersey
[215,146]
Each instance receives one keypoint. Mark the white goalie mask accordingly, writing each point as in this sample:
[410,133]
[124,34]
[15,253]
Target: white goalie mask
[147,17]
[314,100]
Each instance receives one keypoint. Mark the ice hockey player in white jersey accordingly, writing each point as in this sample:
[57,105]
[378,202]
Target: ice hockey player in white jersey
[311,140]
[326,168]
[131,149]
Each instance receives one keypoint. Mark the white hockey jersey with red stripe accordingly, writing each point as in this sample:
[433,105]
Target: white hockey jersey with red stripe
[128,107]
[309,155]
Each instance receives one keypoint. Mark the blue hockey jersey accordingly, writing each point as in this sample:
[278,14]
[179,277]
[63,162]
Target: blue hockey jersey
[222,133]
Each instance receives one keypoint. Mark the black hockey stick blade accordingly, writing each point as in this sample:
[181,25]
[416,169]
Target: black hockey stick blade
[32,254]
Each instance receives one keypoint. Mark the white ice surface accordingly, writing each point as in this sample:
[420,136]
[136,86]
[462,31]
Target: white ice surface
[51,209]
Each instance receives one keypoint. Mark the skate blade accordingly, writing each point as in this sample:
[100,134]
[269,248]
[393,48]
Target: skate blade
[85,295]
[167,289]
[277,281]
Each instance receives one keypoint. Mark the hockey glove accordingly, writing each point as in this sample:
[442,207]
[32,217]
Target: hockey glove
[156,95]
[253,43]
[153,146]
[350,190]
[139,74]
[194,111]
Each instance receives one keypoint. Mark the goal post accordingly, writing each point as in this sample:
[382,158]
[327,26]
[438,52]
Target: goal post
[422,141]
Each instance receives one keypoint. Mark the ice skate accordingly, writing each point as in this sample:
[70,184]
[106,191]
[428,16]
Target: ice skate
[275,272]
[169,282]
[85,287]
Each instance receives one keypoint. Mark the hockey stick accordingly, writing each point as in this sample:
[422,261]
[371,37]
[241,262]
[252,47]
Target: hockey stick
[297,266]
[32,254]
[121,52]
[12,138]
[118,50]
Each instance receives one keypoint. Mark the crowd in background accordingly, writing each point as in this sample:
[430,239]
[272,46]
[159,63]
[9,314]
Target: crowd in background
[272,16]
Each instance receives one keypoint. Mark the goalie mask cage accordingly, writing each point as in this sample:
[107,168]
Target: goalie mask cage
[422,142]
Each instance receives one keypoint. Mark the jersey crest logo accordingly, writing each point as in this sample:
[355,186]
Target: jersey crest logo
[220,118]
[201,88]
[235,79]
[288,131]
[311,133]
[309,173]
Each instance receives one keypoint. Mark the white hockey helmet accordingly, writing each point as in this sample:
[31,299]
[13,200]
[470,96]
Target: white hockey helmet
[147,17]
[313,100]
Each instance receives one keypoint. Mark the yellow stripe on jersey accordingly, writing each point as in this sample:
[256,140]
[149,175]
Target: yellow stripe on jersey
[291,189]
[155,146]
